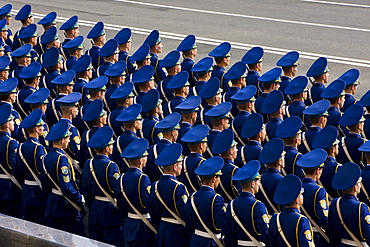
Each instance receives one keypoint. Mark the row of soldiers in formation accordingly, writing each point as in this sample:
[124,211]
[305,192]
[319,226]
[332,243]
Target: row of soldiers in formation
[233,123]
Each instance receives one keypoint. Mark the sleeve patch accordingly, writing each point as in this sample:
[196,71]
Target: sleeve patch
[116,176]
[148,188]
[17,121]
[323,204]
[367,218]
[66,179]
[77,140]
[185,198]
[265,218]
[64,170]
[308,235]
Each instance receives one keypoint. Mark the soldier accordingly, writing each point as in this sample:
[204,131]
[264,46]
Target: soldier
[203,69]
[350,77]
[117,75]
[83,69]
[254,58]
[365,102]
[225,146]
[22,56]
[205,210]
[6,13]
[75,51]
[222,55]
[320,72]
[4,68]
[97,34]
[29,36]
[109,52]
[189,51]
[290,227]
[134,199]
[26,17]
[64,208]
[168,198]
[53,64]
[349,218]
[100,185]
[274,108]
[124,45]
[246,217]
[156,47]
[30,155]
[144,79]
[50,39]
[297,91]
[180,86]
[47,21]
[3,36]
[141,57]
[364,194]
[71,31]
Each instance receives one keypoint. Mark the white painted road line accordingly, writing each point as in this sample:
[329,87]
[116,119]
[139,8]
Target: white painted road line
[215,42]
[247,16]
[336,3]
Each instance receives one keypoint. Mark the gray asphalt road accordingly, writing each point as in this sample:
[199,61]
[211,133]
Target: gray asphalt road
[337,29]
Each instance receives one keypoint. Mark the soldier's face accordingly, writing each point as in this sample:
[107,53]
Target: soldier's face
[65,142]
[11,125]
[39,130]
[8,20]
[75,32]
[178,168]
[138,124]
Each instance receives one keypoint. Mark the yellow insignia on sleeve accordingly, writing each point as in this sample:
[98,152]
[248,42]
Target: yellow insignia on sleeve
[64,170]
[148,188]
[185,198]
[160,135]
[323,204]
[17,121]
[224,208]
[116,176]
[11,37]
[66,179]
[265,218]
[230,84]
[326,213]
[367,218]
[44,133]
[77,140]
[308,235]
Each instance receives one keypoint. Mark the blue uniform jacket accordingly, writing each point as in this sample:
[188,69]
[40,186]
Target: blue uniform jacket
[314,93]
[24,109]
[119,145]
[123,56]
[111,103]
[237,125]
[349,100]
[96,60]
[334,116]
[169,107]
[249,152]
[70,62]
[165,93]
[291,157]
[227,97]
[187,65]
[117,126]
[202,118]
[46,82]
[219,72]
[87,152]
[331,167]
[15,73]
[184,128]
[149,130]
[190,179]
[211,139]
[159,73]
[352,141]
[154,171]
[102,68]
[309,135]
[232,188]
[258,106]
[271,127]
[365,174]
[252,79]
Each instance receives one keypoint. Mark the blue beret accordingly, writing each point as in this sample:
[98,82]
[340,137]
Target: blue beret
[94,111]
[365,147]
[220,111]
[70,99]
[6,10]
[24,13]
[136,149]
[141,54]
[210,89]
[170,122]
[189,105]
[144,74]
[109,49]
[72,23]
[196,134]
[297,86]
[28,32]
[346,177]
[353,115]
[123,92]
[74,44]
[3,26]
[150,100]
[50,35]
[245,95]
[313,159]
[288,60]
[65,79]
[31,71]
[82,64]
[334,90]
[23,51]
[179,81]
[187,44]
[221,51]
[9,86]
[170,155]
[38,97]
[203,66]
[248,172]
[33,119]
[170,60]
[6,114]
[101,138]
[271,76]
[272,151]
[4,63]
[123,36]
[116,70]
[253,56]
[273,102]
[350,77]
[59,131]
[288,190]
[290,127]
[211,167]
[317,109]
[364,101]
[131,114]
[319,67]
[236,71]
[48,19]
[223,142]
[51,57]
[98,84]
[252,126]
[96,31]
[326,138]
[153,38]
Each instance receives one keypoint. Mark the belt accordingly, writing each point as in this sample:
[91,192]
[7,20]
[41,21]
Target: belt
[31,183]
[205,234]
[103,198]
[56,192]
[352,243]
[4,176]
[171,220]
[248,243]
[134,216]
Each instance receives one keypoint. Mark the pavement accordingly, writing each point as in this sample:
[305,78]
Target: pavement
[337,29]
